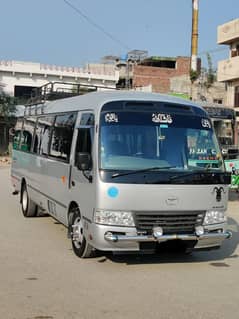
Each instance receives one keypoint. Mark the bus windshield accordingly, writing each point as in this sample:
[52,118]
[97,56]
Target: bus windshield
[142,140]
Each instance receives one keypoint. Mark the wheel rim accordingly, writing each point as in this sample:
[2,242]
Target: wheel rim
[24,200]
[77,232]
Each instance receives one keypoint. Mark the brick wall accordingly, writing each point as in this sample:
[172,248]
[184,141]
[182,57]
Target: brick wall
[159,78]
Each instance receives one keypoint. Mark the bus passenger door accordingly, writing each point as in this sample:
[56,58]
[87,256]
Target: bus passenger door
[82,183]
[58,166]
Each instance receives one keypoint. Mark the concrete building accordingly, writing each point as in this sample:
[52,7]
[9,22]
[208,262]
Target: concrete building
[228,70]
[172,76]
[215,93]
[18,78]
[158,71]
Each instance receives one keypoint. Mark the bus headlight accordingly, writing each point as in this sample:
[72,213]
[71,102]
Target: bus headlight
[116,218]
[214,217]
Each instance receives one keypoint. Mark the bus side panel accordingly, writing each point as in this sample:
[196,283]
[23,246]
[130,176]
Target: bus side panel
[57,189]
[32,169]
[15,171]
[35,177]
[83,193]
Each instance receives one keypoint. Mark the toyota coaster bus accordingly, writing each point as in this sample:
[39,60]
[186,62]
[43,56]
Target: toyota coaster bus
[123,171]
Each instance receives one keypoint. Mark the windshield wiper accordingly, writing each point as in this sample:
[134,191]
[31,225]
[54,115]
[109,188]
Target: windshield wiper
[190,174]
[142,171]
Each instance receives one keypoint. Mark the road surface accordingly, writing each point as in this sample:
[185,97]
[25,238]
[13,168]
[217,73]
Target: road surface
[41,278]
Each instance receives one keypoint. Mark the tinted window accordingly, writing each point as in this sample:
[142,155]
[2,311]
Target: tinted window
[62,136]
[16,139]
[85,134]
[87,119]
[43,134]
[84,141]
[141,140]
[27,134]
[17,135]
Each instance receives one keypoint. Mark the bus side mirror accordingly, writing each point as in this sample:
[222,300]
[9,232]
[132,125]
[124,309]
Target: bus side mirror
[83,161]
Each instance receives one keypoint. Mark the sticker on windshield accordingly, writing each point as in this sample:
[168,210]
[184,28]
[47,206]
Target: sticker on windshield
[162,118]
[206,123]
[111,118]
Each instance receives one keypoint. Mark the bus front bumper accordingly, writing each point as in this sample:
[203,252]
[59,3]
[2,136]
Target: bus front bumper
[147,238]
[121,239]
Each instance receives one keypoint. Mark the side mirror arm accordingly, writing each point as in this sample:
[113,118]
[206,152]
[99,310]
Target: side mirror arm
[89,177]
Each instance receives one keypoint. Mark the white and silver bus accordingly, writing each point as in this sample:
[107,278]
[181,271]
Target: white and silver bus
[123,171]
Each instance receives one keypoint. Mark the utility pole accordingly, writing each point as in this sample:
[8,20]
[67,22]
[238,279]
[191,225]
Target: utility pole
[194,41]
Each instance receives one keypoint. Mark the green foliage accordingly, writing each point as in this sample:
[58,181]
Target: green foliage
[210,73]
[7,105]
[181,95]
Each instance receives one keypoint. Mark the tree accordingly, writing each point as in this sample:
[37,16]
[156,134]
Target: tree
[210,73]
[193,75]
[7,111]
[7,106]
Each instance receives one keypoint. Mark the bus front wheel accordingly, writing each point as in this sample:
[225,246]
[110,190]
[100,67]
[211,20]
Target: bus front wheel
[80,245]
[29,208]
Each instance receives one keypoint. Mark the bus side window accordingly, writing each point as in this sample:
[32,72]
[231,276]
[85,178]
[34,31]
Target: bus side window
[46,135]
[43,135]
[62,136]
[16,139]
[27,134]
[85,134]
[87,119]
[84,142]
[17,135]
[26,141]
[36,143]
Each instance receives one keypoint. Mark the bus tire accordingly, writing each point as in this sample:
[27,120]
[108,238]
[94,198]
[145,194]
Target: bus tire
[29,208]
[80,245]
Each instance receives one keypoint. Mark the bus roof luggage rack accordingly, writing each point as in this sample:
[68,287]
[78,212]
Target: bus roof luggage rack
[57,90]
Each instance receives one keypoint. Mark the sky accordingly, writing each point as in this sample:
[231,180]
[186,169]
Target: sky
[52,32]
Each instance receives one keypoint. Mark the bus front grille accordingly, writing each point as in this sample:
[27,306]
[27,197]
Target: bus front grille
[172,222]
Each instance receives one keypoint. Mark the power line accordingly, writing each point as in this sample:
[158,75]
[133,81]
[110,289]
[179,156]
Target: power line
[213,51]
[97,26]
